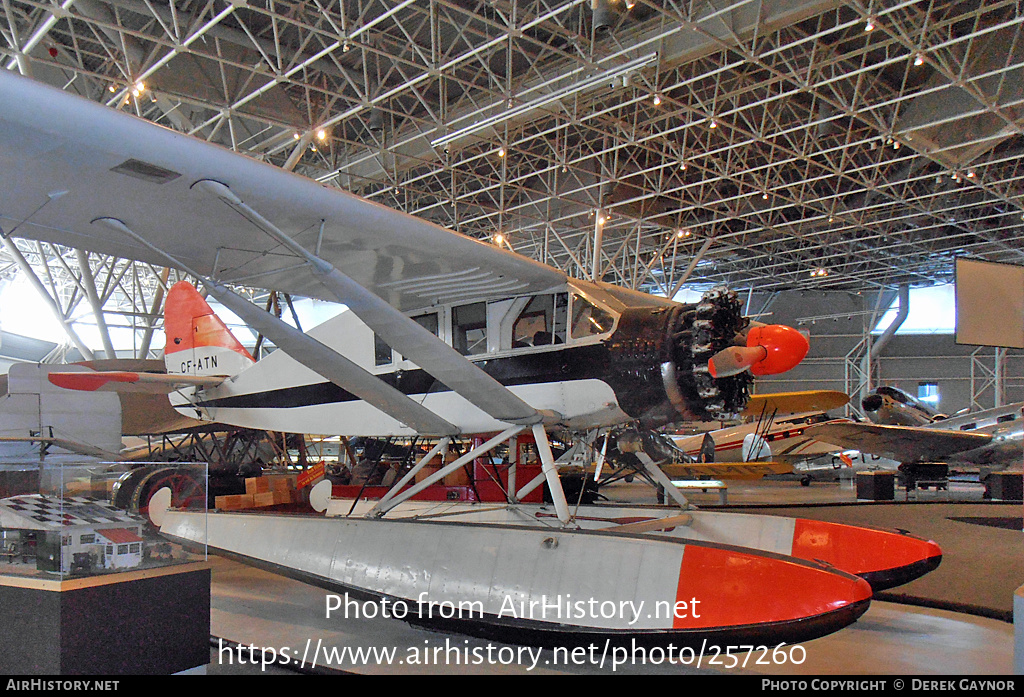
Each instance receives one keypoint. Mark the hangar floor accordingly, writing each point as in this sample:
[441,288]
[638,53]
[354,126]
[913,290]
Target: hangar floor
[954,621]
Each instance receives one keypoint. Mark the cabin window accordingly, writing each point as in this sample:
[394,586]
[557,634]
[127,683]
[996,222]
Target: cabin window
[428,322]
[381,351]
[588,319]
[469,329]
[541,322]
[1006,417]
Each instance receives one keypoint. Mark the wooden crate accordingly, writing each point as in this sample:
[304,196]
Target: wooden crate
[257,485]
[234,502]
[272,498]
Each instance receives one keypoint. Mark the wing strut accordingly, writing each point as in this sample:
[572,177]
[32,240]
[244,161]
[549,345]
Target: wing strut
[550,471]
[400,332]
[440,449]
[315,355]
[384,506]
[662,479]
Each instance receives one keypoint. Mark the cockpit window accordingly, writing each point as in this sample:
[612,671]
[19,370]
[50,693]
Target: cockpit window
[588,319]
[541,322]
[894,393]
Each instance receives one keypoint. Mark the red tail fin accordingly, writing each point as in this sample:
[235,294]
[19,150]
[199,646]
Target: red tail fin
[198,342]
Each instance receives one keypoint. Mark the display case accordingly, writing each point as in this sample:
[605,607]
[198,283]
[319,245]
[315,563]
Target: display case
[88,585]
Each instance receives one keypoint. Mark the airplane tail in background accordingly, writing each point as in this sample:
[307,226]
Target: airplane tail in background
[198,341]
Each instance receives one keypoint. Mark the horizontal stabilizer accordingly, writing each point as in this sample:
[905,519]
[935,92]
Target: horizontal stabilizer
[69,445]
[127,381]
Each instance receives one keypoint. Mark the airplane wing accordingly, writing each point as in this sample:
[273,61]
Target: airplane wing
[795,402]
[904,443]
[78,173]
[66,162]
[726,470]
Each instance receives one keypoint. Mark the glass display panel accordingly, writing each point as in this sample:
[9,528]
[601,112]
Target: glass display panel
[75,520]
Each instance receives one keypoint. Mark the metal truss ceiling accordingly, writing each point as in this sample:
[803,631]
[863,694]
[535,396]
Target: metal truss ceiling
[771,145]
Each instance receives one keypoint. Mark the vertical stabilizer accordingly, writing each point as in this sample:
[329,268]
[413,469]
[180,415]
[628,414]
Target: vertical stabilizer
[198,341]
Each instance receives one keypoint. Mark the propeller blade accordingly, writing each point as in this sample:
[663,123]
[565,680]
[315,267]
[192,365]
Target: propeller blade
[735,359]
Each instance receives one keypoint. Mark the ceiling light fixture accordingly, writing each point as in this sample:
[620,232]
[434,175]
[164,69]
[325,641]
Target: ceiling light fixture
[586,83]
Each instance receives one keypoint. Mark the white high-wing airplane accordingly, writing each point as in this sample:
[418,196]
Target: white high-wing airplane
[445,336]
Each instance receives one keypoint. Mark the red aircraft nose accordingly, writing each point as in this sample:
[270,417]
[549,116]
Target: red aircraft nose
[784,346]
[770,349]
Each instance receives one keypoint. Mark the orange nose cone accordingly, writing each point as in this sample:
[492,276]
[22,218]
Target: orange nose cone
[785,346]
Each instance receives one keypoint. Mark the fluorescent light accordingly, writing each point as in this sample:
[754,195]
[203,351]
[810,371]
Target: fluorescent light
[584,84]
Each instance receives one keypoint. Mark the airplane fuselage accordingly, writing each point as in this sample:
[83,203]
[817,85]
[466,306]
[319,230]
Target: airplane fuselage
[785,439]
[592,357]
[1006,426]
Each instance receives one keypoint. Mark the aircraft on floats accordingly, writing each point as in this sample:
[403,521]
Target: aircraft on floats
[444,336]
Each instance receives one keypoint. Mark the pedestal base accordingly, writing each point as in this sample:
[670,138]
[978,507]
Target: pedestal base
[136,623]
